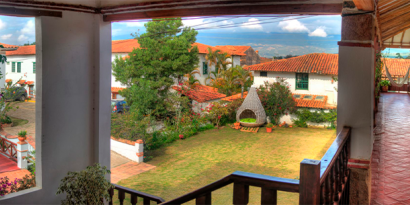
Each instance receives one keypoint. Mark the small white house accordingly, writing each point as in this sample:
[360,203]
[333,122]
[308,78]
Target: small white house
[313,73]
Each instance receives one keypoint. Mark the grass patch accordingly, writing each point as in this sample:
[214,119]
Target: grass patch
[18,121]
[187,165]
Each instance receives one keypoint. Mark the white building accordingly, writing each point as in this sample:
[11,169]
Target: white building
[308,74]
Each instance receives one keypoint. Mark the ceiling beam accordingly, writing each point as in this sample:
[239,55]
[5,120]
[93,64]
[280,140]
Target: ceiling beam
[365,5]
[314,9]
[10,11]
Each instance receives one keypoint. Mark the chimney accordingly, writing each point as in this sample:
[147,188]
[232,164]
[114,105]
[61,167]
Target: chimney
[257,52]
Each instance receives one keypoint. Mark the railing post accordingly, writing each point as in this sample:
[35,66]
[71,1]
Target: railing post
[309,185]
[22,150]
[240,194]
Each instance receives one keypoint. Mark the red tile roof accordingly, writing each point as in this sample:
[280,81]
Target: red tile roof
[8,45]
[235,97]
[265,60]
[312,102]
[234,50]
[23,50]
[200,93]
[397,67]
[21,82]
[116,89]
[124,46]
[320,63]
[8,80]
[30,82]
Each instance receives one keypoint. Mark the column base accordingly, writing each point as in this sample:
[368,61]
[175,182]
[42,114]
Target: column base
[360,186]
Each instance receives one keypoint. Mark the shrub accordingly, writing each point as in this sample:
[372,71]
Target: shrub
[215,111]
[88,186]
[6,120]
[305,115]
[10,186]
[277,99]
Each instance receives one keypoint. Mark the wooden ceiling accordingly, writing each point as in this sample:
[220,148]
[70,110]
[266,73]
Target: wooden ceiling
[393,19]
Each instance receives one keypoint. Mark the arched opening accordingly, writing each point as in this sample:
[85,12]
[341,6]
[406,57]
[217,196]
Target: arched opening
[247,114]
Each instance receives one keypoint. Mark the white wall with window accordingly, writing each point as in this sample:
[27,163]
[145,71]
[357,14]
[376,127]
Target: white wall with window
[21,67]
[206,69]
[315,84]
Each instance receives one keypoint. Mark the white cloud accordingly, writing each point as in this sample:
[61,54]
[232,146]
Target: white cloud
[193,22]
[6,36]
[133,24]
[29,28]
[22,38]
[116,32]
[293,26]
[253,23]
[319,32]
[2,24]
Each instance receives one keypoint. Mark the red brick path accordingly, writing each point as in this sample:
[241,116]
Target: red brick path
[390,164]
[128,169]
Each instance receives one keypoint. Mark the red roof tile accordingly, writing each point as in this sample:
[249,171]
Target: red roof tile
[310,103]
[30,82]
[235,97]
[23,50]
[200,93]
[8,80]
[234,50]
[320,63]
[397,67]
[8,45]
[124,46]
[21,82]
[116,89]
[265,60]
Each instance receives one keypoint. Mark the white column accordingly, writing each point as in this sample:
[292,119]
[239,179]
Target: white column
[139,145]
[22,151]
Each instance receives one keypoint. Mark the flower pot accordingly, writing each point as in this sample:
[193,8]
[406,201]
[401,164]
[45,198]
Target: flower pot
[237,125]
[6,125]
[385,88]
[22,139]
[269,129]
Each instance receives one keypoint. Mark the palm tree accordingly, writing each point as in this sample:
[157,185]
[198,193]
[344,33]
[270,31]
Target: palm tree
[241,77]
[212,77]
[223,61]
[212,56]
[191,81]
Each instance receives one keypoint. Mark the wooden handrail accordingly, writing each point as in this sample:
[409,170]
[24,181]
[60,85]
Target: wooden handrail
[243,178]
[8,148]
[134,194]
[329,159]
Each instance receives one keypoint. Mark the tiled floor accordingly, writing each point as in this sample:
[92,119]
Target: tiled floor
[391,152]
[7,165]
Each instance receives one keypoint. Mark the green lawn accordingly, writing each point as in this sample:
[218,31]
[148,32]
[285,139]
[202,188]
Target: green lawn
[189,164]
[18,121]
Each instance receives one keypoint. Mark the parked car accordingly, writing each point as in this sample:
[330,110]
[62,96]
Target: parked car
[16,93]
[119,106]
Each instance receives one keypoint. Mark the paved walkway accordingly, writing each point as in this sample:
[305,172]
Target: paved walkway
[391,152]
[122,168]
[7,165]
[27,111]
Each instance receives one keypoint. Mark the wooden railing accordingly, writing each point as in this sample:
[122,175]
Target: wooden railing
[147,198]
[321,182]
[8,148]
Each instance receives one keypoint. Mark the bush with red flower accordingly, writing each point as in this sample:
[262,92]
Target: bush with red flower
[277,99]
[215,111]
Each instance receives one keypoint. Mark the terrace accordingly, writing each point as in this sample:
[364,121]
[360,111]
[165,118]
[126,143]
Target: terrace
[63,33]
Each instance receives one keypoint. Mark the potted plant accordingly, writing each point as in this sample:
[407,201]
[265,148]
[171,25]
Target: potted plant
[237,125]
[385,85]
[22,135]
[269,127]
[88,186]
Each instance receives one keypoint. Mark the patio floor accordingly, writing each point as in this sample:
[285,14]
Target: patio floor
[7,165]
[391,154]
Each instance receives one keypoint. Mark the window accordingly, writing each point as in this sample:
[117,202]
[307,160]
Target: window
[302,81]
[34,67]
[13,67]
[264,74]
[18,67]
[204,68]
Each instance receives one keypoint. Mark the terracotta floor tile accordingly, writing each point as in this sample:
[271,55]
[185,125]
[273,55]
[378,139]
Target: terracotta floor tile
[391,154]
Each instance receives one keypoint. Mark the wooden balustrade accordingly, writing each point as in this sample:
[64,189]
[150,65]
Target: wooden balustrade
[147,198]
[8,148]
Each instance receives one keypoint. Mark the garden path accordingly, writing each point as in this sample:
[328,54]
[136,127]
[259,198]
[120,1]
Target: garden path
[26,111]
[122,168]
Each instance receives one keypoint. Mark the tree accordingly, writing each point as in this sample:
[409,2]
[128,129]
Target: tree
[165,54]
[223,62]
[212,57]
[399,56]
[190,80]
[242,76]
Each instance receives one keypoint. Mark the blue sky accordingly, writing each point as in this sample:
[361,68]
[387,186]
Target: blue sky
[272,36]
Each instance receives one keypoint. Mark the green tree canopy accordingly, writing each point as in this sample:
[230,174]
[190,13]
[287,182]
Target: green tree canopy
[165,55]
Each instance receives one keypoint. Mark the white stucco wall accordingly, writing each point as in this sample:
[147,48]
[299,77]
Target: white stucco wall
[202,77]
[113,82]
[73,101]
[318,84]
[26,69]
[197,106]
[128,151]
